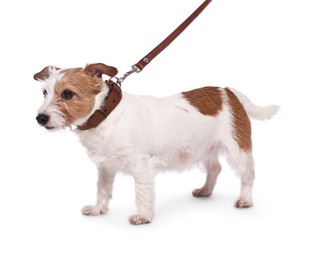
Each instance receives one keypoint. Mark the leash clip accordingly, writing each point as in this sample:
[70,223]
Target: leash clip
[134,69]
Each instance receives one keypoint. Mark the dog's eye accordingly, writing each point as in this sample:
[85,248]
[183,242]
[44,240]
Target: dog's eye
[67,94]
[44,93]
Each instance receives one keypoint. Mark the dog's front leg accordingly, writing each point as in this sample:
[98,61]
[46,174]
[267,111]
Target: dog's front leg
[104,193]
[145,196]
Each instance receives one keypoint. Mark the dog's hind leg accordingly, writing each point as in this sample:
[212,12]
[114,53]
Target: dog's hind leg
[242,163]
[213,168]
[104,193]
[239,145]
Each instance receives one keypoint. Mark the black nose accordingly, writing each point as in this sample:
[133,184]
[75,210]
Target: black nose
[42,119]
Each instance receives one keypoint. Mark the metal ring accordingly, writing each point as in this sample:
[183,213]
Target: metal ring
[116,80]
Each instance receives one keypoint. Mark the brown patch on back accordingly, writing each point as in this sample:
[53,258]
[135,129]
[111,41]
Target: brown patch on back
[85,89]
[241,122]
[208,100]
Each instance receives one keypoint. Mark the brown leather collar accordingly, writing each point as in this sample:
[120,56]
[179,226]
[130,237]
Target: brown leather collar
[111,101]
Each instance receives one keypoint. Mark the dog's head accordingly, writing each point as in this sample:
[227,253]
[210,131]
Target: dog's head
[71,95]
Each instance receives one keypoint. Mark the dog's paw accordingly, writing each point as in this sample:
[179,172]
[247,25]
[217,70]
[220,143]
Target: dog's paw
[94,210]
[243,203]
[199,193]
[139,219]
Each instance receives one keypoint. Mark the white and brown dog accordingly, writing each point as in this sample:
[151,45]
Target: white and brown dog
[144,135]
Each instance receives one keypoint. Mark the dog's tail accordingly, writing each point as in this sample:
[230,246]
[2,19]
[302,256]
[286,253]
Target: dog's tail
[253,111]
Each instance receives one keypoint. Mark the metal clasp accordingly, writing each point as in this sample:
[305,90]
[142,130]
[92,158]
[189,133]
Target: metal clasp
[128,73]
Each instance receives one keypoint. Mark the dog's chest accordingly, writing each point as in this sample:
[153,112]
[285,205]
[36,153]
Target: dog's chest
[103,146]
[95,142]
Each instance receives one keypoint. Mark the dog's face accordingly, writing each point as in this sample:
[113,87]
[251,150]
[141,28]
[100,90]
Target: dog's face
[70,94]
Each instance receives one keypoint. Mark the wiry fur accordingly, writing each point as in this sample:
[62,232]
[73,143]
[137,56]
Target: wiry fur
[145,135]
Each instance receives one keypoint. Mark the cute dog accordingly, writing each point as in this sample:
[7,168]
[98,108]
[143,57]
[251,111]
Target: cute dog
[144,135]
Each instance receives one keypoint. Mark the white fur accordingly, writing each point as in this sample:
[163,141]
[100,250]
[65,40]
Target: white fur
[146,135]
[256,112]
[57,118]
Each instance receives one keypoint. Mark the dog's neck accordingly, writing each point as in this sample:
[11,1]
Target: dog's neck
[110,102]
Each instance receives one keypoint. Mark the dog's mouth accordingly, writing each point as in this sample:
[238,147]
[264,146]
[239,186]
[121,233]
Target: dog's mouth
[50,127]
[58,127]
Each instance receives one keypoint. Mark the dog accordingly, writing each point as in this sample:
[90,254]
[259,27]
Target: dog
[145,135]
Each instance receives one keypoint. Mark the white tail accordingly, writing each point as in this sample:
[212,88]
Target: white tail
[253,111]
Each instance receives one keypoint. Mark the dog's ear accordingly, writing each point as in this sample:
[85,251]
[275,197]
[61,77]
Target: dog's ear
[45,73]
[98,69]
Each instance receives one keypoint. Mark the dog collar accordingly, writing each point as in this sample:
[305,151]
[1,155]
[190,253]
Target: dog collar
[111,101]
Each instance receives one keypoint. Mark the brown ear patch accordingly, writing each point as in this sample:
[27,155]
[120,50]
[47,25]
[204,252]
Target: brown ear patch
[241,122]
[44,74]
[208,100]
[98,69]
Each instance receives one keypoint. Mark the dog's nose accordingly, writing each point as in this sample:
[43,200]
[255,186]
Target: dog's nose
[42,119]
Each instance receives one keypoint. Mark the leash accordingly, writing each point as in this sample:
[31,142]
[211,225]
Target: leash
[141,64]
[115,93]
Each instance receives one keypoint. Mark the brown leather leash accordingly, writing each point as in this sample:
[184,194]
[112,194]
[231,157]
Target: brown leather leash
[141,64]
[115,93]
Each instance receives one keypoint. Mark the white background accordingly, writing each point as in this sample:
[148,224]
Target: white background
[258,47]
